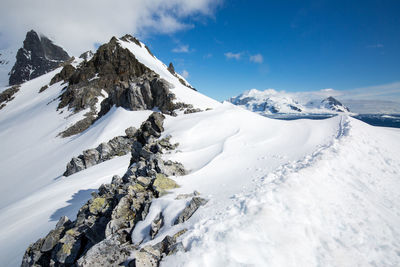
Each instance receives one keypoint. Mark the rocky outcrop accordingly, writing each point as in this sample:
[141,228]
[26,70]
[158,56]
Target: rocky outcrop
[118,146]
[101,233]
[8,95]
[115,70]
[37,56]
[190,209]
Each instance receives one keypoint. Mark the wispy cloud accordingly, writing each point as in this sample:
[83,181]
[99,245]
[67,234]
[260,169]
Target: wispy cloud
[181,49]
[209,55]
[257,58]
[185,74]
[230,55]
[71,25]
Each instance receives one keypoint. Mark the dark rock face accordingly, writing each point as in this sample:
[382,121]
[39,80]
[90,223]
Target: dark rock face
[128,83]
[37,56]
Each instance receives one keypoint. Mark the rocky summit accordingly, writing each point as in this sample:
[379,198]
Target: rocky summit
[38,56]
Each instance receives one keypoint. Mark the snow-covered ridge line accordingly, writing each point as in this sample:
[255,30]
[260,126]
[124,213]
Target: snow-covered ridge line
[273,102]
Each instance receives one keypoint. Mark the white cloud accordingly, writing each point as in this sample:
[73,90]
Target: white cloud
[181,49]
[185,74]
[258,58]
[209,55]
[77,25]
[231,55]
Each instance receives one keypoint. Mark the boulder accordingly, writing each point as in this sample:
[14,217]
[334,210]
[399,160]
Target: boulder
[156,225]
[190,209]
[162,184]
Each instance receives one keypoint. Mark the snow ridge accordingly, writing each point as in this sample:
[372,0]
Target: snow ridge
[307,213]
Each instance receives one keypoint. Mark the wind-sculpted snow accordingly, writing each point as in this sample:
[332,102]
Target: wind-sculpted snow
[337,206]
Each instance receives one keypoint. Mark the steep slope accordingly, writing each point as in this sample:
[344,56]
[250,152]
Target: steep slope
[272,102]
[37,56]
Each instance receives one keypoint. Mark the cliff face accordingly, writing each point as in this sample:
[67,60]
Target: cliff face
[37,56]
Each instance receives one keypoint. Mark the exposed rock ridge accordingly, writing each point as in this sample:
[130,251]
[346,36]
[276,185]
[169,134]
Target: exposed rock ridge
[127,82]
[37,56]
[118,146]
[101,234]
[8,95]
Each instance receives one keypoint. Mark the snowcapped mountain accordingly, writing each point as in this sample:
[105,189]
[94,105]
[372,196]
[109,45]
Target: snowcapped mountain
[37,56]
[273,102]
[196,183]
[7,61]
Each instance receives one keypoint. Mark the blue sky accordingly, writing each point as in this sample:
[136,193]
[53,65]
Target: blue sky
[287,45]
[226,47]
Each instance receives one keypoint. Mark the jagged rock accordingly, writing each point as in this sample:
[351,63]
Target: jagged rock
[162,184]
[147,257]
[116,180]
[184,196]
[130,132]
[170,168]
[51,240]
[171,68]
[156,225]
[79,127]
[75,165]
[109,252]
[118,146]
[63,75]
[143,181]
[86,55]
[192,110]
[91,157]
[43,88]
[123,216]
[127,82]
[190,209]
[175,248]
[33,255]
[8,95]
[37,56]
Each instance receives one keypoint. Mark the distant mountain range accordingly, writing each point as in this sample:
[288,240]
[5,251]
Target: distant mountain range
[272,102]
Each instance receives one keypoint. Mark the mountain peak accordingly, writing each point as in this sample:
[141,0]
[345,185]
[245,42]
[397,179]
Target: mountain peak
[38,56]
[334,104]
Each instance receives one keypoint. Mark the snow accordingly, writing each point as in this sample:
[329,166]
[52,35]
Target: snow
[280,193]
[270,101]
[7,61]
[331,202]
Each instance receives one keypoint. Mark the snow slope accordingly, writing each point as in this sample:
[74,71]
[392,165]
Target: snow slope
[333,202]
